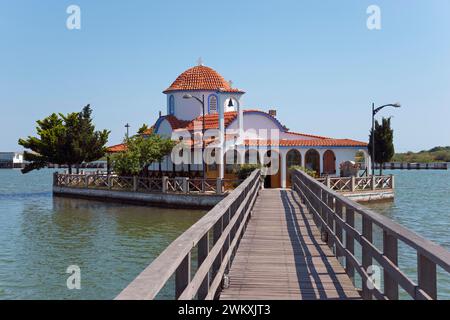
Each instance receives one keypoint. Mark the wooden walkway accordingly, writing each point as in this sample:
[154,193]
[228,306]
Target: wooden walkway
[281,255]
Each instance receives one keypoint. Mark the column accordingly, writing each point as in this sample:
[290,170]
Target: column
[221,137]
[321,152]
[283,168]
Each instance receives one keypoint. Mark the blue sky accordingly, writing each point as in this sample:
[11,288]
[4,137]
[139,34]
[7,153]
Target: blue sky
[315,61]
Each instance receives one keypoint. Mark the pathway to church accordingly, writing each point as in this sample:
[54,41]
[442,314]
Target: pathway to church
[281,255]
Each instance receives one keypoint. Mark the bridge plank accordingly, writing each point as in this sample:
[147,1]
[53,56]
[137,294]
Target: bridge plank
[281,255]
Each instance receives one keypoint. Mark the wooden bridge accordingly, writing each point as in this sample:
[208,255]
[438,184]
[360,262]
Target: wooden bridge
[306,243]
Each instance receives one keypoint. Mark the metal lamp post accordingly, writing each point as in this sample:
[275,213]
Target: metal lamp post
[202,102]
[374,112]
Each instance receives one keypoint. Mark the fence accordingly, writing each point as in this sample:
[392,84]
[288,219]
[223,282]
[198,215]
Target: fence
[224,225]
[335,216]
[352,184]
[144,184]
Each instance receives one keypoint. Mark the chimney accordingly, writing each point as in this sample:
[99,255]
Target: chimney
[273,112]
[160,113]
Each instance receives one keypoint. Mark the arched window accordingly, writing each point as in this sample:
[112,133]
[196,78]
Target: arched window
[212,107]
[171,105]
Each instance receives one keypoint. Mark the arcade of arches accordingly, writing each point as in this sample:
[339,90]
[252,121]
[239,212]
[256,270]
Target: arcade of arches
[323,163]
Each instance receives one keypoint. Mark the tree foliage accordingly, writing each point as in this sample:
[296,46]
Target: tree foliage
[143,129]
[64,140]
[384,142]
[436,154]
[140,153]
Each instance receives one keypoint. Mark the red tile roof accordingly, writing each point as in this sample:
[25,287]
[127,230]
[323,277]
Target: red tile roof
[176,123]
[308,143]
[117,148]
[308,135]
[212,120]
[201,78]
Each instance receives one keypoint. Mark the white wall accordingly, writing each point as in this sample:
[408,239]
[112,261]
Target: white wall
[189,109]
[165,129]
[255,121]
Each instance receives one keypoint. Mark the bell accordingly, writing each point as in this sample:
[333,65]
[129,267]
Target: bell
[230,103]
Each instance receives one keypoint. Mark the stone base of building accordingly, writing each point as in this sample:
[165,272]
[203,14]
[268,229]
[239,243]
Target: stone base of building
[169,200]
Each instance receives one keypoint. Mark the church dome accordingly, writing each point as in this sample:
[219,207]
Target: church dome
[201,78]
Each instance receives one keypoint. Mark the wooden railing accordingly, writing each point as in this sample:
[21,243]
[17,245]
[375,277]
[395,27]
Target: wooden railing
[143,184]
[335,216]
[352,184]
[225,224]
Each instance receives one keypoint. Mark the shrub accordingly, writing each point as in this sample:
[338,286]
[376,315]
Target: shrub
[309,172]
[244,171]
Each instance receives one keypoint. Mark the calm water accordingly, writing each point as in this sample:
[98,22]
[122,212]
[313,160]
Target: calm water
[41,236]
[422,204]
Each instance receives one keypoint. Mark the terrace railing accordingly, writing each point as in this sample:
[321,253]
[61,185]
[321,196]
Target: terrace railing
[213,240]
[144,184]
[353,184]
[345,224]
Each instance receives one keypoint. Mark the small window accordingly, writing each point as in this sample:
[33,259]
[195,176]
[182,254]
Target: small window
[171,105]
[213,104]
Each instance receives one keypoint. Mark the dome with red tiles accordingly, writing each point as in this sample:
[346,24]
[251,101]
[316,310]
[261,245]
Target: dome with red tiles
[201,78]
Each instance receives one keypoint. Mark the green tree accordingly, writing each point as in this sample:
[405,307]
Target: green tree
[140,153]
[89,143]
[143,129]
[64,140]
[384,142]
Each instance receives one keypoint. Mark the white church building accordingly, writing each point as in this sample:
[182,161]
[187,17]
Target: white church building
[237,134]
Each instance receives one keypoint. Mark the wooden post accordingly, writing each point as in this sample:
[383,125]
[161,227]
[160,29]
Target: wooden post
[350,242]
[330,219]
[373,182]
[164,184]
[328,182]
[366,257]
[390,250]
[353,184]
[183,275]
[426,275]
[135,183]
[338,228]
[217,232]
[392,181]
[219,186]
[109,182]
[186,185]
[203,251]
[86,181]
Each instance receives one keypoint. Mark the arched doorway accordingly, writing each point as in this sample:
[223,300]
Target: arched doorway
[312,161]
[329,162]
[293,158]
[272,161]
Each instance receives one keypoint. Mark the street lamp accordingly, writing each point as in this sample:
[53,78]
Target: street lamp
[374,112]
[202,102]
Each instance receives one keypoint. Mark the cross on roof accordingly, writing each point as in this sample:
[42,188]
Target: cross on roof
[200,61]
